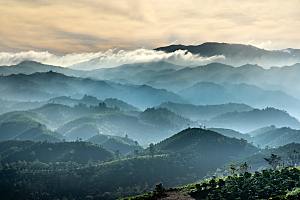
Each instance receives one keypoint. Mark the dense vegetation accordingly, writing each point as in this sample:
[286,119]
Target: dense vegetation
[268,184]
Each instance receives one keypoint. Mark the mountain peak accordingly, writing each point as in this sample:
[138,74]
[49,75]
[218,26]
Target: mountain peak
[29,62]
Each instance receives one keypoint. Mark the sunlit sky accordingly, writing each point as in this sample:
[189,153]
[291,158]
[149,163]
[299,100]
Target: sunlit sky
[66,26]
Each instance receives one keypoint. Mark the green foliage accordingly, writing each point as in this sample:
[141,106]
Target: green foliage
[261,185]
[274,161]
[294,194]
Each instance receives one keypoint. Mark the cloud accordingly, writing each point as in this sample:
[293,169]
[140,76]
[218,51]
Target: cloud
[93,25]
[110,58]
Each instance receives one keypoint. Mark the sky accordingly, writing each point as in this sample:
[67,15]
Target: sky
[77,26]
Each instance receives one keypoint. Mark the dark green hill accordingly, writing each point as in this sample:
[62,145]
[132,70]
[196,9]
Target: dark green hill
[201,141]
[175,161]
[289,154]
[80,152]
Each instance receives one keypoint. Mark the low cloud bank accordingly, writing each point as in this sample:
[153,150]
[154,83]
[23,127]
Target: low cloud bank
[110,58]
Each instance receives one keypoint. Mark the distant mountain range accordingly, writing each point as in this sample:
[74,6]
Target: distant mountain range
[204,112]
[240,54]
[247,121]
[277,137]
[43,86]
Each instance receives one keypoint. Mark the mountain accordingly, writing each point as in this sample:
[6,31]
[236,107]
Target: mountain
[198,141]
[113,179]
[112,102]
[152,125]
[275,78]
[43,86]
[124,145]
[231,133]
[30,67]
[277,137]
[57,114]
[250,120]
[162,117]
[212,93]
[93,101]
[239,54]
[9,105]
[80,152]
[262,130]
[123,70]
[288,153]
[203,112]
[25,126]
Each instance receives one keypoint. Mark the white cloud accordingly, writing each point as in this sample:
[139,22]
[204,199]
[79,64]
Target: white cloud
[7,58]
[110,58]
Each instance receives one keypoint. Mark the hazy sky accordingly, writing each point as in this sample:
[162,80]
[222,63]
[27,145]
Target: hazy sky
[64,26]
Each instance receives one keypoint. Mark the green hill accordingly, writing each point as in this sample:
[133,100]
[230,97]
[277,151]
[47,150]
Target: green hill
[232,133]
[288,153]
[175,161]
[201,141]
[124,145]
[79,152]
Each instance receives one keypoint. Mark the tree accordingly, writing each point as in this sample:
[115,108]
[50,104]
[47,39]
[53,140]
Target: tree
[244,167]
[117,154]
[159,190]
[274,161]
[136,152]
[152,149]
[293,158]
[232,169]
